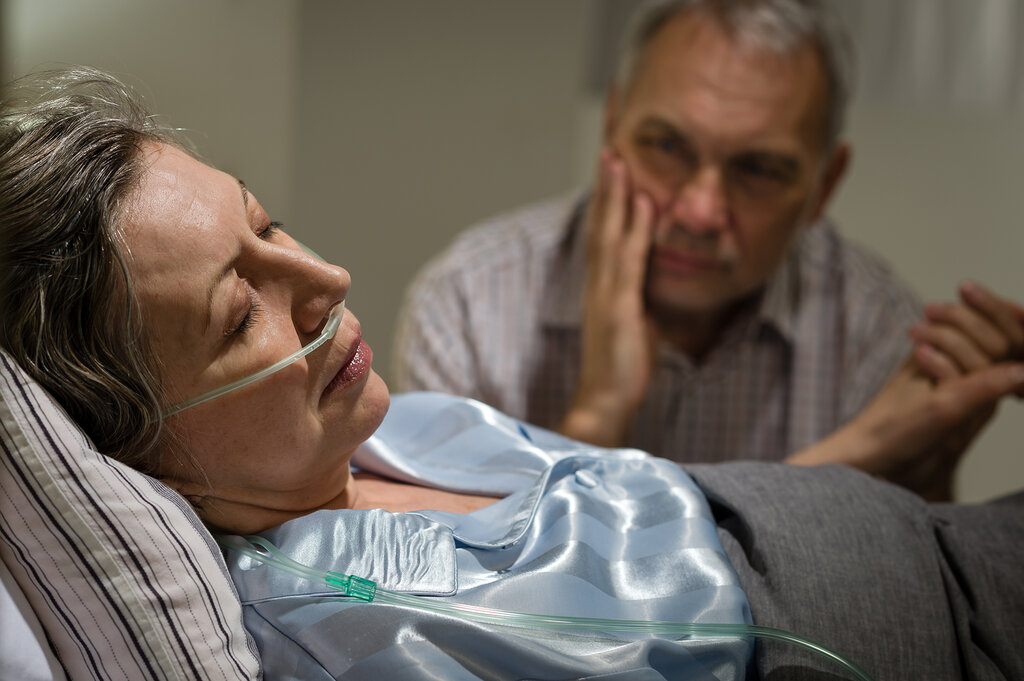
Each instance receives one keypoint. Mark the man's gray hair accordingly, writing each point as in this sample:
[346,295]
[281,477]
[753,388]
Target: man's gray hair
[71,143]
[779,26]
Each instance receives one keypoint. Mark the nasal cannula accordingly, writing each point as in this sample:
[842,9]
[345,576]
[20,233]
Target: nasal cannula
[326,334]
[261,550]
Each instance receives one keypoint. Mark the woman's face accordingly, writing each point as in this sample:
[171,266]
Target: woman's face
[226,293]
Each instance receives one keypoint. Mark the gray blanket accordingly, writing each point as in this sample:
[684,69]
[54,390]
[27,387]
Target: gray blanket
[905,589]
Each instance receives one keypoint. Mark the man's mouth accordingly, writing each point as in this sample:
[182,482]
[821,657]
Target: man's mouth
[686,262]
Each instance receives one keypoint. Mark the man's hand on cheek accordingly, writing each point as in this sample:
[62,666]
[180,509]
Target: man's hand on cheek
[619,340]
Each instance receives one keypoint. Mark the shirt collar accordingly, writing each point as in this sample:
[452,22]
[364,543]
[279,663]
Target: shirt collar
[788,295]
[780,303]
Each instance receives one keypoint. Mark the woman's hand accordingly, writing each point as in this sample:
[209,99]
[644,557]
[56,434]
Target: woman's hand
[619,340]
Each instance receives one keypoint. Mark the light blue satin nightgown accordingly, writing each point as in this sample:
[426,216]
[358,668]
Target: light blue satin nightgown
[579,531]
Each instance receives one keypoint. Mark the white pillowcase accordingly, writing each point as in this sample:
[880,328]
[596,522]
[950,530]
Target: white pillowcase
[24,653]
[123,577]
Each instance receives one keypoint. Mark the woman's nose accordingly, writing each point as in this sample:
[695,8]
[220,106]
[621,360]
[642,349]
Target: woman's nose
[316,287]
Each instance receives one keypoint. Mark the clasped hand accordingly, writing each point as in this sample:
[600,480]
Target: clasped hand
[967,356]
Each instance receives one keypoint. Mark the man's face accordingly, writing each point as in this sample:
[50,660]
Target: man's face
[728,141]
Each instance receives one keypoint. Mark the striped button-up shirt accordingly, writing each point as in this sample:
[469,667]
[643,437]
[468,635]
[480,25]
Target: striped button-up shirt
[498,315]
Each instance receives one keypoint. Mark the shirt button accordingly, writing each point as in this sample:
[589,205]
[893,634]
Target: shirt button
[587,478]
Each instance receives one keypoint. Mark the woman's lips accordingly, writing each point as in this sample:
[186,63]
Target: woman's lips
[356,366]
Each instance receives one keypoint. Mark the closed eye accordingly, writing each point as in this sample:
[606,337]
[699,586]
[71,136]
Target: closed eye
[268,232]
[250,318]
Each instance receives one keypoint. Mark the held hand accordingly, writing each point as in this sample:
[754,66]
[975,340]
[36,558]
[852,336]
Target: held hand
[919,425]
[915,431]
[977,332]
[619,340]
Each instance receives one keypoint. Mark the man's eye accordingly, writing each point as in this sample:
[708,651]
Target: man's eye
[765,169]
[666,145]
[665,156]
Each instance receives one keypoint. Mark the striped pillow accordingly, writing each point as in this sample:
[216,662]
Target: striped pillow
[125,580]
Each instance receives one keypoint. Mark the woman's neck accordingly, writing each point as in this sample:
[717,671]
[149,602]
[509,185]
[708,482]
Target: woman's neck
[361,491]
[237,515]
[373,491]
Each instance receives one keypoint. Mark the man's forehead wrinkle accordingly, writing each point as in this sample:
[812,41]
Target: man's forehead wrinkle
[714,95]
[697,47]
[740,79]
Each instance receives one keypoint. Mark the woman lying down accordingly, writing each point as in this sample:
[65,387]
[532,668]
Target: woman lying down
[149,292]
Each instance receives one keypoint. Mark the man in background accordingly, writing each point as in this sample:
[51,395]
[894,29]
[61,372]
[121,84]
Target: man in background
[695,303]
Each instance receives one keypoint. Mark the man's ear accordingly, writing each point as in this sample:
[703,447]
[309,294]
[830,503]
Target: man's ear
[835,170]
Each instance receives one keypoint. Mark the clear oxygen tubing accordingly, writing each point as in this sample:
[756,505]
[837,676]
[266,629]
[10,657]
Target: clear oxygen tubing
[261,550]
[330,328]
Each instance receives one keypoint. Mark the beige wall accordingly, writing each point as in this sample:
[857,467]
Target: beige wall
[222,69]
[941,194]
[378,130]
[3,41]
[419,118]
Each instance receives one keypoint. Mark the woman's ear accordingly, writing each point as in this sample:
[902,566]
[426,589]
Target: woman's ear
[182,473]
[191,492]
[196,501]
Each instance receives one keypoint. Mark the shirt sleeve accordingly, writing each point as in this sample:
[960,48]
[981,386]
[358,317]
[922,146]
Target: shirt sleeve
[882,309]
[432,347]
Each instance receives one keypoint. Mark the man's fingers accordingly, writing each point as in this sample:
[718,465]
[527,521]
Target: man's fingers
[597,207]
[980,389]
[970,289]
[607,211]
[636,245]
[1017,310]
[1006,315]
[955,345]
[974,324]
[604,228]
[936,364]
[616,208]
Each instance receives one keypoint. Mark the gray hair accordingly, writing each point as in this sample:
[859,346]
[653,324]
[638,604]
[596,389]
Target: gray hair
[779,26]
[71,144]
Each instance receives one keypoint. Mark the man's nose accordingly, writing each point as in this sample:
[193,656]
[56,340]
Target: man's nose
[700,202]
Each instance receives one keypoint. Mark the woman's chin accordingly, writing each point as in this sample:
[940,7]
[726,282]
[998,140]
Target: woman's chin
[382,396]
[362,418]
